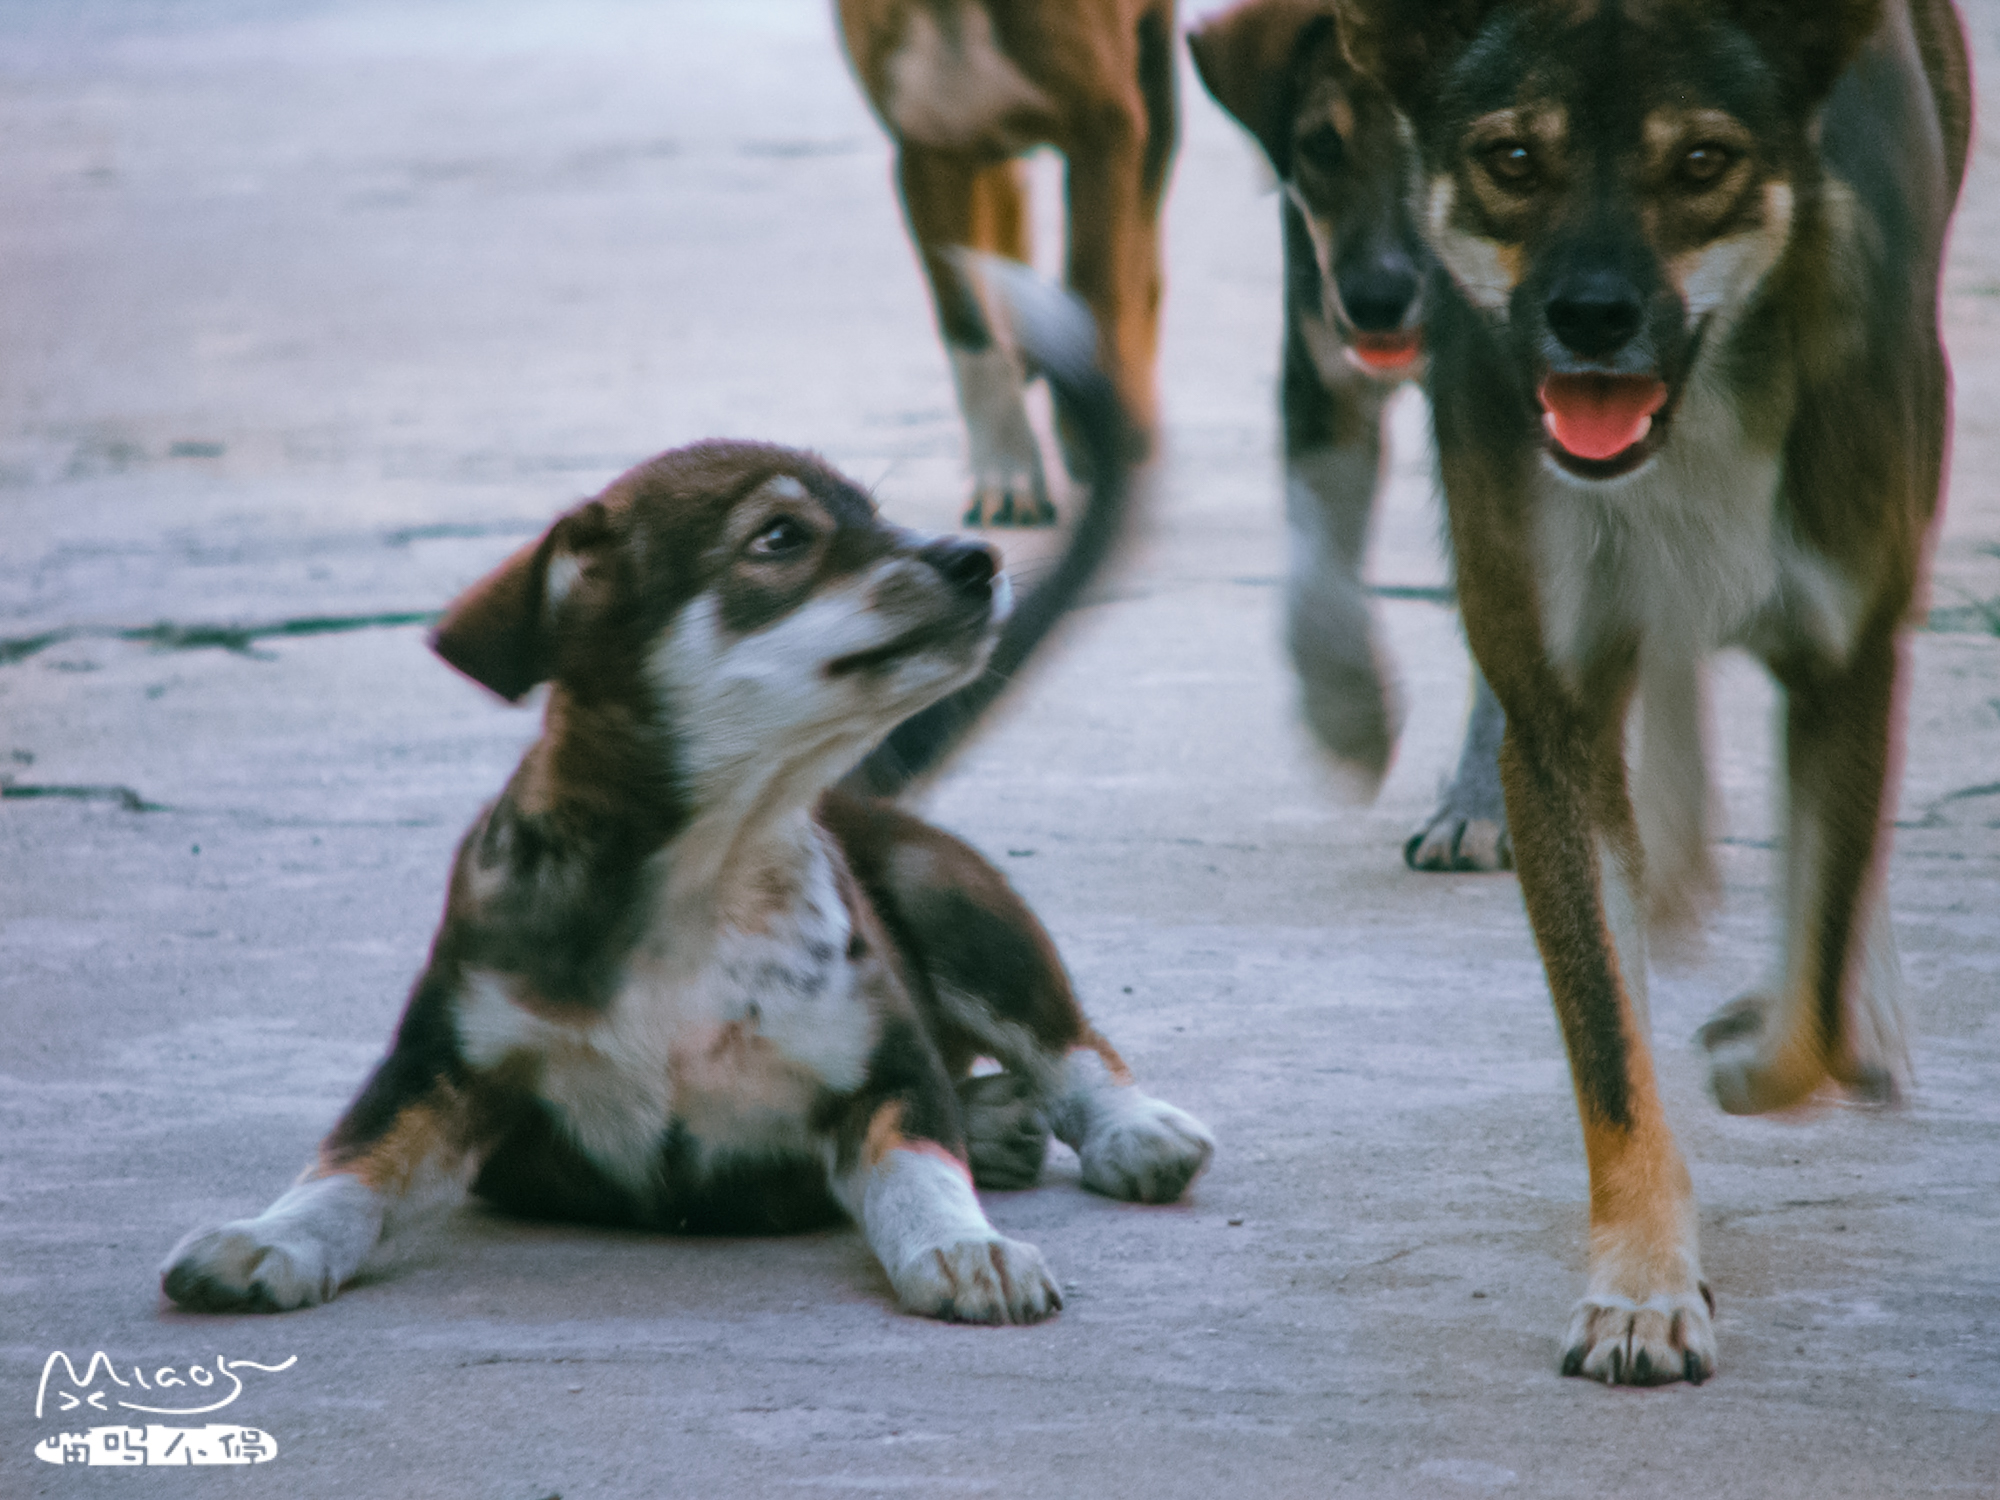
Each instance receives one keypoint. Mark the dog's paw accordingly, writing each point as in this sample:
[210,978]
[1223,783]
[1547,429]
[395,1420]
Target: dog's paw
[1006,1130]
[1143,1149]
[992,1280]
[1023,502]
[1449,841]
[250,1265]
[1757,1063]
[1620,1342]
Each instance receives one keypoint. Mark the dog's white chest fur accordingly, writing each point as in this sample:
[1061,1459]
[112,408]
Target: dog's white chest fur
[736,1009]
[1690,553]
[950,85]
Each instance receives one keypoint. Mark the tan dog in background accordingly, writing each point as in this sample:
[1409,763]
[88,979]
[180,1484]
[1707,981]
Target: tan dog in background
[965,87]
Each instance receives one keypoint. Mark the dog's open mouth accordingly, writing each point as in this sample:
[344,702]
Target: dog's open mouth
[1600,425]
[1394,353]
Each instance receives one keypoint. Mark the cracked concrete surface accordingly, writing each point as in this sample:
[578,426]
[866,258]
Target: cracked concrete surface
[316,308]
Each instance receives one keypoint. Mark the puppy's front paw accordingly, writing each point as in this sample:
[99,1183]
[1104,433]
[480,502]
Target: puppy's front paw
[1143,1149]
[1666,1338]
[249,1265]
[294,1254]
[979,1281]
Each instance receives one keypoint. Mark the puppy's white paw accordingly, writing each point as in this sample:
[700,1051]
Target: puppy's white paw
[245,1267]
[294,1254]
[1666,1338]
[979,1281]
[1143,1149]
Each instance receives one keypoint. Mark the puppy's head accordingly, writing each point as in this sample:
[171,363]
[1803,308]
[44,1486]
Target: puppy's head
[740,608]
[1610,184]
[1334,138]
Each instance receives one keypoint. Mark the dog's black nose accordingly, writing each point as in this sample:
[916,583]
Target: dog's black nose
[1594,314]
[1377,296]
[969,567]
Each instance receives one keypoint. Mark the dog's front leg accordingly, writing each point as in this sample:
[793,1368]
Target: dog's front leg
[1834,1015]
[914,1202]
[401,1154]
[1645,1318]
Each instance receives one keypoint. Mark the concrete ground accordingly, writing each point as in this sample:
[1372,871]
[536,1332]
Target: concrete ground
[311,309]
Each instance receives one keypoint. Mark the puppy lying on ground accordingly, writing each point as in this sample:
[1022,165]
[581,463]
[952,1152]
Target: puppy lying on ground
[679,984]
[1354,269]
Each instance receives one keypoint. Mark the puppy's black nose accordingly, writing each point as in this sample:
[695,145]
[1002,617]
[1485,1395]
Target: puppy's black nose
[969,567]
[1377,296]
[1595,314]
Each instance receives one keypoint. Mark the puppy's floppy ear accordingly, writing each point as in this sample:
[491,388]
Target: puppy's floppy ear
[1812,39]
[1398,43]
[501,632]
[1246,56]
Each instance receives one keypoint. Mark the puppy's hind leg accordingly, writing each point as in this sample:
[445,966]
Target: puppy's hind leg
[399,1155]
[1132,1145]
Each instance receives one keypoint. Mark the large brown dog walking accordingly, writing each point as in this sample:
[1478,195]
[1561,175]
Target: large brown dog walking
[1688,392]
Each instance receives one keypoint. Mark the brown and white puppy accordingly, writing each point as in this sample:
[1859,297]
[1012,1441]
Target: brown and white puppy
[1688,391]
[965,87]
[1355,263]
[679,983]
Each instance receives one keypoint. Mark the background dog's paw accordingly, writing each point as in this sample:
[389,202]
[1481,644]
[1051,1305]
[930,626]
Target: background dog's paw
[1144,1150]
[1006,1130]
[980,1281]
[1664,1339]
[1020,502]
[1451,841]
[1757,1063]
[247,1267]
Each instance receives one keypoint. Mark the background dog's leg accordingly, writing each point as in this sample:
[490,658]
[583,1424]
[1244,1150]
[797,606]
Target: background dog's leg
[1468,829]
[390,1163]
[1118,152]
[952,200]
[1834,1014]
[1644,1318]
[1333,465]
[914,1201]
[1671,791]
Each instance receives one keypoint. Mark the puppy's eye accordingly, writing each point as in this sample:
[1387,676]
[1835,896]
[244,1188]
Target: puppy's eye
[1704,165]
[781,538]
[1511,164]
[1322,147]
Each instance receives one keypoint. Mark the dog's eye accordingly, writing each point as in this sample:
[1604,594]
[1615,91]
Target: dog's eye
[1322,147]
[781,538]
[1703,165]
[1511,163]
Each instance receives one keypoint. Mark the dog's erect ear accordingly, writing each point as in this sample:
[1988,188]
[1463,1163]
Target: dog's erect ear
[1814,39]
[501,631]
[1245,57]
[1399,42]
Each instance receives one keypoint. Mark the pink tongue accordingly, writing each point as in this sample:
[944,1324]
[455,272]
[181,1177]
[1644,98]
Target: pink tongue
[1600,416]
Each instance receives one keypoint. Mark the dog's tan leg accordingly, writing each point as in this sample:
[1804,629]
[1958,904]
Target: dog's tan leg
[950,197]
[1833,1016]
[1000,220]
[1119,150]
[365,1186]
[1644,1318]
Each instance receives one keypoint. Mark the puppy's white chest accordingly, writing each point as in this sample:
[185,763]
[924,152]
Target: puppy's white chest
[724,1027]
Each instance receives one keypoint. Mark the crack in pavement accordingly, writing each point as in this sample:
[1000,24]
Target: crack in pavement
[168,636]
[124,796]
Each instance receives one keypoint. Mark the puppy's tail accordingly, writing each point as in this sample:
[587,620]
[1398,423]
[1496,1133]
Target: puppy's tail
[1057,338]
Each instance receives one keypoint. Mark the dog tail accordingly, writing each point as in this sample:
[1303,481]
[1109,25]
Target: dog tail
[1057,339]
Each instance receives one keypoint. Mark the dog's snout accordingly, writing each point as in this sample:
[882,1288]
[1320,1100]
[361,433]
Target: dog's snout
[969,567]
[1595,314]
[1377,296]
